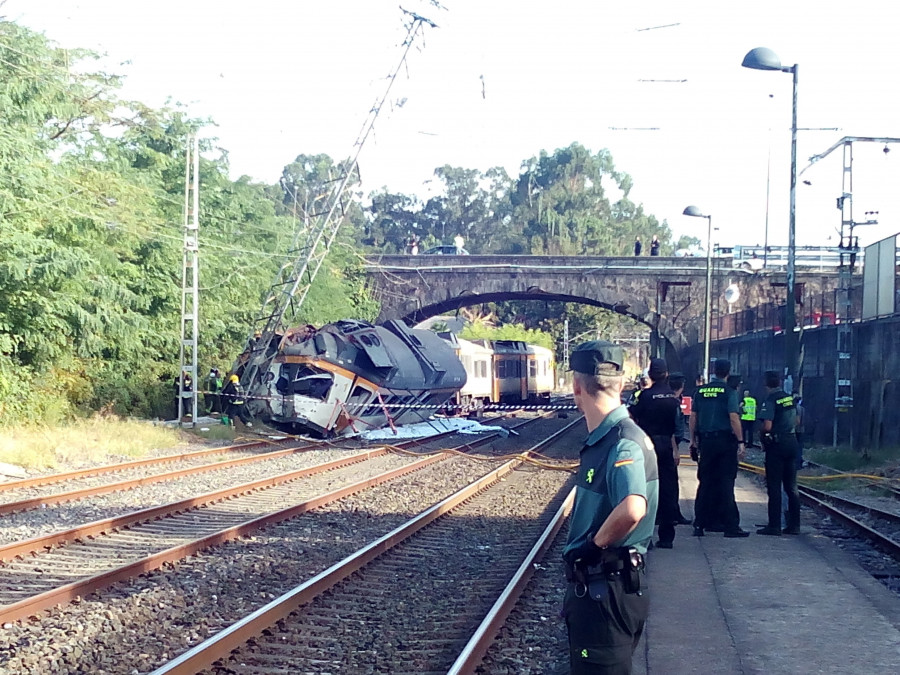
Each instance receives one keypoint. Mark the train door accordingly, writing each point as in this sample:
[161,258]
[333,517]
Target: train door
[522,363]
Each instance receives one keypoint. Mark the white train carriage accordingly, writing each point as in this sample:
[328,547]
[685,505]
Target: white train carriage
[477,359]
[541,373]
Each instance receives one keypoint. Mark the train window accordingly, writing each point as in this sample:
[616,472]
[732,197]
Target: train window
[545,367]
[358,399]
[532,369]
[482,369]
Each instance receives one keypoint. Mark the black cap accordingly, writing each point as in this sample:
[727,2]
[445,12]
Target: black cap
[588,357]
[658,368]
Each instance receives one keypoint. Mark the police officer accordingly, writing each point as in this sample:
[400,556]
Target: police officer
[779,440]
[612,520]
[677,382]
[748,417]
[716,433]
[657,412]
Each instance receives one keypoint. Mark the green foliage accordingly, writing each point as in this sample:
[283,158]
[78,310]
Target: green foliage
[91,210]
[508,331]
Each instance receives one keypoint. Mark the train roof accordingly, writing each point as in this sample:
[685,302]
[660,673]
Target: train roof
[391,355]
[539,350]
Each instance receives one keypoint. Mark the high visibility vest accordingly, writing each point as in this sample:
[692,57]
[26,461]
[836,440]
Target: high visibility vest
[749,413]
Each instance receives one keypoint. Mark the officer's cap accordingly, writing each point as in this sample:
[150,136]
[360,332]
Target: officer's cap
[591,357]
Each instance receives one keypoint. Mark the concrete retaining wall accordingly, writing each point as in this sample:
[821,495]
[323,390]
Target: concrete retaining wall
[875,417]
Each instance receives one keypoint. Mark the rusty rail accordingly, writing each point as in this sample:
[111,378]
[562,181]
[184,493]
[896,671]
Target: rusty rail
[223,643]
[29,606]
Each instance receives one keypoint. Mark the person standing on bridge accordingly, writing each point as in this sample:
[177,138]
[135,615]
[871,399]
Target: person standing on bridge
[611,524]
[458,241]
[779,440]
[654,246]
[716,434]
[657,412]
[637,246]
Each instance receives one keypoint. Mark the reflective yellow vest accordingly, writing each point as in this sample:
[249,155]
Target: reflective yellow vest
[749,406]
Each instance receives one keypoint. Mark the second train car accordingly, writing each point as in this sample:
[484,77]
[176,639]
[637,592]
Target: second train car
[505,371]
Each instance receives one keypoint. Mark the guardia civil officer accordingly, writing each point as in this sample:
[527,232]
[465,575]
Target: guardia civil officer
[779,440]
[657,412]
[716,433]
[612,520]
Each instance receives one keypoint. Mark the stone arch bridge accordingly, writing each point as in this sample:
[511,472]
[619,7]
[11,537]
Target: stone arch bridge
[666,294]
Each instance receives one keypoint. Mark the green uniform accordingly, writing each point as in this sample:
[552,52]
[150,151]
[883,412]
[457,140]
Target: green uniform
[617,460]
[779,408]
[712,404]
[604,628]
[715,506]
[780,444]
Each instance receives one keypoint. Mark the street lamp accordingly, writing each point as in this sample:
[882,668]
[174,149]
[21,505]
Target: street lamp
[762,58]
[697,213]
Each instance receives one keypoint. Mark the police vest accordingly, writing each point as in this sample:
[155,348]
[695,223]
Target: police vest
[749,413]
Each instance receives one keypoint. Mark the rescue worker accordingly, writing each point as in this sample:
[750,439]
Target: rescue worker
[677,382]
[657,412]
[184,392]
[779,440]
[716,435]
[211,398]
[235,405]
[612,519]
[748,417]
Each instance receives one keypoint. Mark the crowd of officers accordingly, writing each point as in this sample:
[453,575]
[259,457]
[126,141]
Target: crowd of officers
[627,481]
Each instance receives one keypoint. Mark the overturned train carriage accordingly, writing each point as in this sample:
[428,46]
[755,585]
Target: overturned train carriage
[351,376]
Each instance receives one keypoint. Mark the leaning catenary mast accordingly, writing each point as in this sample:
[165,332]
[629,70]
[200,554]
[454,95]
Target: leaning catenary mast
[294,278]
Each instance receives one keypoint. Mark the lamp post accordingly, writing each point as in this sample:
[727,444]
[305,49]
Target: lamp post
[707,317]
[762,58]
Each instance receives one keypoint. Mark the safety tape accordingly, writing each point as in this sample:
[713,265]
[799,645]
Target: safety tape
[487,407]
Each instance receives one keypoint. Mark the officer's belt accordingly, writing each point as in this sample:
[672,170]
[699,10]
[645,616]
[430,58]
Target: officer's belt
[716,434]
[612,561]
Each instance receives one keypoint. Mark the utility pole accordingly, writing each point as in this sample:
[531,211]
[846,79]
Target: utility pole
[190,282]
[566,347]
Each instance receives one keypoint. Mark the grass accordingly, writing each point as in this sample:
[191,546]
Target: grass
[97,440]
[853,460]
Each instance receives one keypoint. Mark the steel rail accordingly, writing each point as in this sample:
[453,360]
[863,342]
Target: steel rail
[868,482]
[118,486]
[99,527]
[68,592]
[39,481]
[473,653]
[871,510]
[72,495]
[223,643]
[878,538]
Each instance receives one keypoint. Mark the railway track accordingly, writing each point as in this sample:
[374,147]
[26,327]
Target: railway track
[427,597]
[45,571]
[877,525]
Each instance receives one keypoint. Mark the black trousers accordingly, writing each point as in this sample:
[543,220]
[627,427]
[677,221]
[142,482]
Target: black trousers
[717,471]
[238,410]
[781,471]
[747,428]
[604,634]
[667,510]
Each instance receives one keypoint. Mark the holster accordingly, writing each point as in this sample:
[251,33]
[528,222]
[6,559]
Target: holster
[624,562]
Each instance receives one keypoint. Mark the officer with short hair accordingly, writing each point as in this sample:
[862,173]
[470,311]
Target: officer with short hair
[716,434]
[779,440]
[657,412]
[612,519]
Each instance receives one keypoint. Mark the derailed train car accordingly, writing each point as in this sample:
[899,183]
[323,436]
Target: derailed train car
[351,376]
[504,371]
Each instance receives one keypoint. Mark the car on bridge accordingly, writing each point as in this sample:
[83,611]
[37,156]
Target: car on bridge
[444,250]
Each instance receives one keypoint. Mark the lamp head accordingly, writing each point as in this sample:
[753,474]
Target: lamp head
[693,211]
[762,58]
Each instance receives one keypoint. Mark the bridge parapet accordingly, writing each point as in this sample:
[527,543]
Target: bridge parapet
[665,293]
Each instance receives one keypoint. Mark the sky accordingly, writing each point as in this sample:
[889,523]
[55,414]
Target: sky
[500,80]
